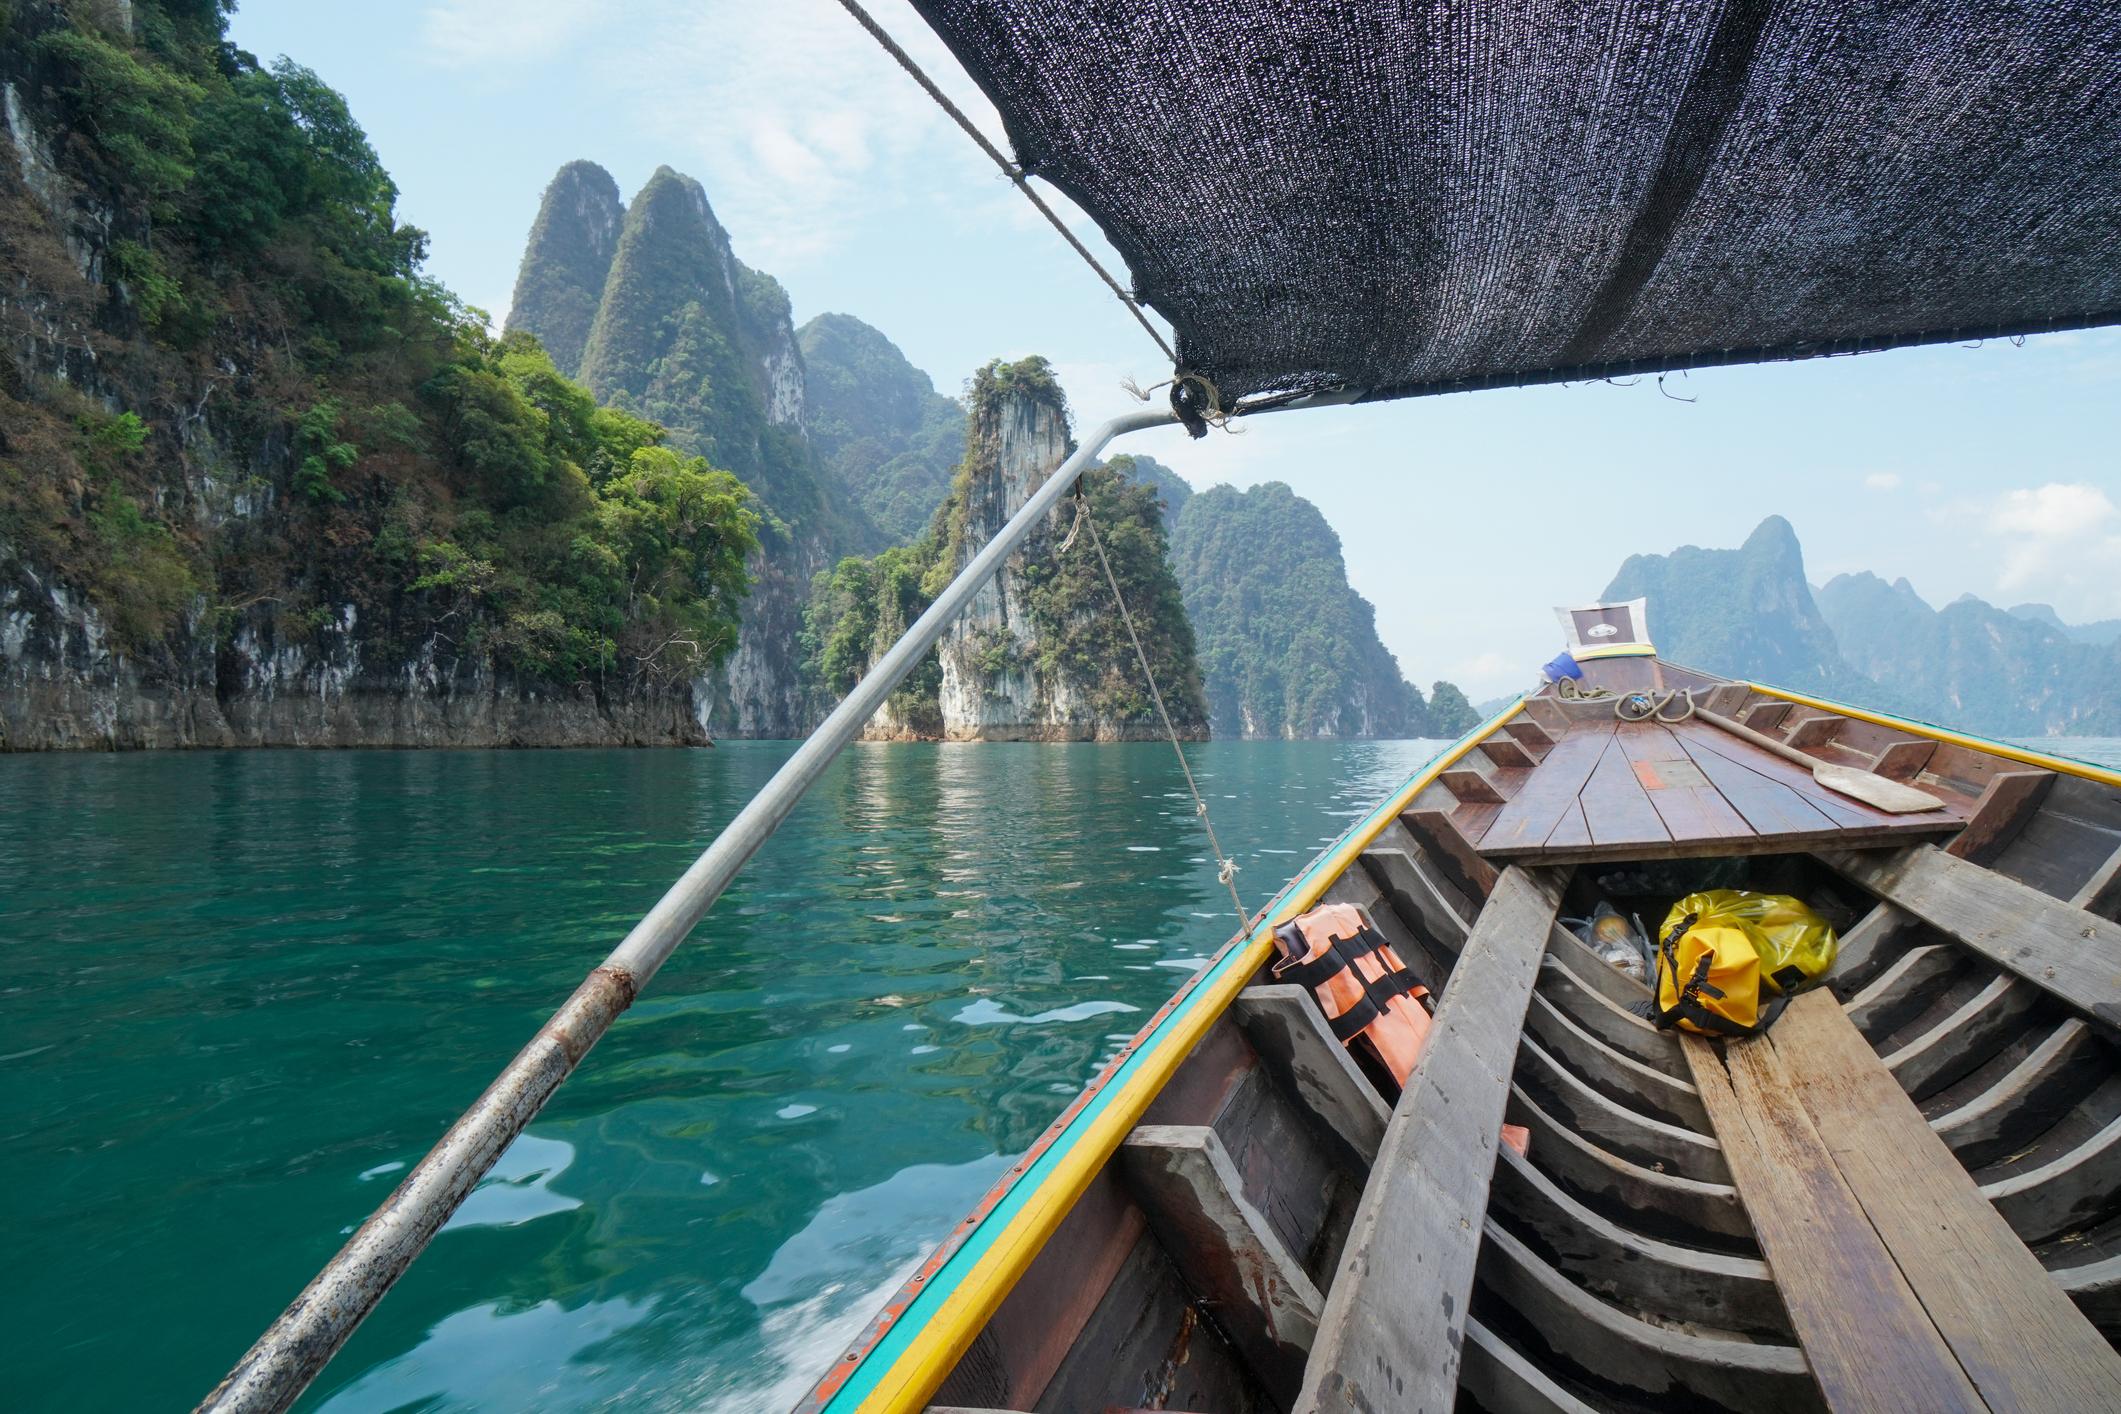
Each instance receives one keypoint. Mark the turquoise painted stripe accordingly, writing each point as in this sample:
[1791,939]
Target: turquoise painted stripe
[886,1352]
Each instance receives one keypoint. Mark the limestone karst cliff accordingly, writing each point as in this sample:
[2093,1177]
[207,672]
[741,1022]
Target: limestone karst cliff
[1041,655]
[262,481]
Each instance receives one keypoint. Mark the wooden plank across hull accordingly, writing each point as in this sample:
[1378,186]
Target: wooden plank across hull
[2012,1329]
[2065,950]
[1395,1315]
[1868,1341]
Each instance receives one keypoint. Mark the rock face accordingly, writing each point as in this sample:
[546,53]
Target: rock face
[1747,612]
[686,334]
[1041,654]
[567,261]
[225,452]
[1997,671]
[880,429]
[64,687]
[1287,648]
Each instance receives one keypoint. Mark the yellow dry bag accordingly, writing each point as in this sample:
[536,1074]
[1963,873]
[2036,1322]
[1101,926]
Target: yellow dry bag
[1719,951]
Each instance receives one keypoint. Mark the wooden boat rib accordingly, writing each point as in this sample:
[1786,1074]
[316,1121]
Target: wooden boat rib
[1233,1217]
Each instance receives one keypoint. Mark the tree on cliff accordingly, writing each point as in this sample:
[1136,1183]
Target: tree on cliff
[1288,648]
[314,446]
[1069,641]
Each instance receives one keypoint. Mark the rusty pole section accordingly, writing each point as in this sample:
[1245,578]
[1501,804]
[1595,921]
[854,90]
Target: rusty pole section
[288,1356]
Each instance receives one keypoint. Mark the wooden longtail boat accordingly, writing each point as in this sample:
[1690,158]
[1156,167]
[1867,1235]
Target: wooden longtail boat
[1907,1194]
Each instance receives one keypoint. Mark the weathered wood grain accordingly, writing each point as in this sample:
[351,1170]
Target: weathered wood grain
[1611,1022]
[1225,1250]
[1663,1367]
[1535,810]
[2006,803]
[1395,1317]
[1440,838]
[2073,1189]
[1508,1383]
[1960,1042]
[1638,1272]
[1690,807]
[1624,1130]
[1615,805]
[1617,1076]
[1651,1200]
[1286,1027]
[2066,951]
[2012,1330]
[1898,995]
[2027,1099]
[1868,1341]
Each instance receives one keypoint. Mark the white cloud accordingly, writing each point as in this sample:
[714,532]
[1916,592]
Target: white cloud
[1883,481]
[2060,542]
[500,35]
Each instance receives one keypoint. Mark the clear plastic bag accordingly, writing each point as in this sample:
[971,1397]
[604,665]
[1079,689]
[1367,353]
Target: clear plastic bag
[1616,939]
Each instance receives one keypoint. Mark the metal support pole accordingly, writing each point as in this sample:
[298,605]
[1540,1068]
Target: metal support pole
[275,1371]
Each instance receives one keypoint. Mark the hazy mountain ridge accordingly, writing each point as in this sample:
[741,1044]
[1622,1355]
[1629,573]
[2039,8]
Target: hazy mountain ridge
[1287,647]
[1751,613]
[878,425]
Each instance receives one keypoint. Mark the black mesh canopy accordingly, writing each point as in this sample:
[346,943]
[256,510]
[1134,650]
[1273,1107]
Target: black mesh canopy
[1415,196]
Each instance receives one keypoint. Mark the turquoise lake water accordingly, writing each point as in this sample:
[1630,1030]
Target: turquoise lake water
[243,991]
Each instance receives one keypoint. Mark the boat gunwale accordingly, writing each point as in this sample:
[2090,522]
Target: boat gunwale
[997,1242]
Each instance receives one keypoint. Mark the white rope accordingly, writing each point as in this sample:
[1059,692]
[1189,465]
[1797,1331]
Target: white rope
[1225,867]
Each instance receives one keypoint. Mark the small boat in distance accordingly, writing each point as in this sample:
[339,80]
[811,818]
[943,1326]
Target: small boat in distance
[1907,1194]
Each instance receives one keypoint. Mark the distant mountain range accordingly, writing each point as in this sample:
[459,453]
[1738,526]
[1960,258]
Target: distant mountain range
[1750,612]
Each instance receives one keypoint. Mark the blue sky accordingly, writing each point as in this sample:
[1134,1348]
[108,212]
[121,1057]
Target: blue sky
[1991,470]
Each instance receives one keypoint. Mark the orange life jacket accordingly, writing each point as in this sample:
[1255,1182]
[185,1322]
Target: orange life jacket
[1365,990]
[1367,993]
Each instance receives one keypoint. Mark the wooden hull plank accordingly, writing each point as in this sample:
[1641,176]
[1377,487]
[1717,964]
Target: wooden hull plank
[2072,1190]
[1656,1202]
[1623,1030]
[1288,1030]
[2012,1329]
[1619,1078]
[1551,791]
[1395,1315]
[1626,1131]
[1690,807]
[1225,1250]
[1869,1342]
[1616,806]
[1506,1382]
[1899,993]
[1639,1272]
[1657,1366]
[2066,951]
[2054,1076]
[1960,1042]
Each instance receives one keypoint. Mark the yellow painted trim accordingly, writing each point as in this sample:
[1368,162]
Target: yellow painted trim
[1618,650]
[2063,764]
[935,1351]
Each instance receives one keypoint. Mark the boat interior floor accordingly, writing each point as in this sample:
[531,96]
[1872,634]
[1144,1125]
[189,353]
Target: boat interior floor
[1906,1195]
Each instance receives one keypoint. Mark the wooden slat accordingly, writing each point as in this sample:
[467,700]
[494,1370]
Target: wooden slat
[1441,839]
[1395,1317]
[1866,1337]
[1726,697]
[1289,1031]
[1536,738]
[2013,1330]
[1573,832]
[2101,893]
[1685,800]
[1900,993]
[2036,1092]
[1869,948]
[1536,809]
[2006,803]
[1851,814]
[1224,1249]
[1508,1383]
[1813,730]
[1548,713]
[1616,807]
[1903,760]
[1469,784]
[1764,716]
[2071,953]
[1770,806]
[1507,752]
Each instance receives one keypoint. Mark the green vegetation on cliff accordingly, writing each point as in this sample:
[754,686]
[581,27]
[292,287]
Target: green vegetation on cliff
[566,262]
[1287,647]
[312,440]
[1075,633]
[878,425]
